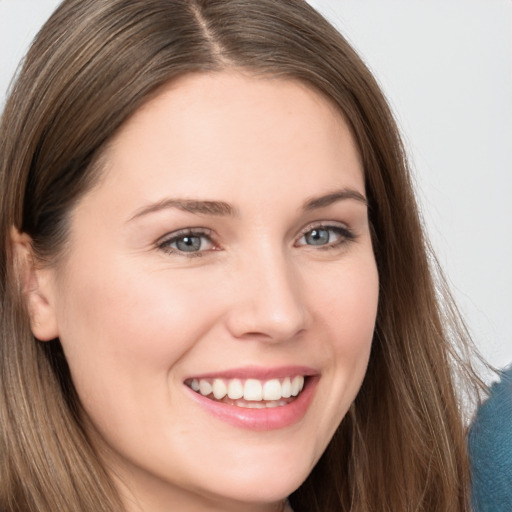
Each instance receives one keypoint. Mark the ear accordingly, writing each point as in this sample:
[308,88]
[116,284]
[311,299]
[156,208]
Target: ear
[37,287]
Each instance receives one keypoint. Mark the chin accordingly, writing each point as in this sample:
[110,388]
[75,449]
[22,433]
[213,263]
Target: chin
[267,481]
[260,490]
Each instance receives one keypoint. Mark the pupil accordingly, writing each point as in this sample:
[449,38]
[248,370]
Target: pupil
[317,237]
[189,243]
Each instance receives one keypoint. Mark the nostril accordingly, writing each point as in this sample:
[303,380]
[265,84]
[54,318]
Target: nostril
[266,324]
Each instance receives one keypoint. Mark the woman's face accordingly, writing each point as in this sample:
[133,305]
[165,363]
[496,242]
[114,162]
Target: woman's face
[226,249]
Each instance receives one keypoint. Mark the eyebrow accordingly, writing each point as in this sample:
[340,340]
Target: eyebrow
[223,209]
[219,208]
[325,200]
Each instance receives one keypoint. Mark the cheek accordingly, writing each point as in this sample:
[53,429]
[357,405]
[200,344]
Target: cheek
[121,326]
[127,309]
[348,308]
[124,335]
[349,315]
[345,307]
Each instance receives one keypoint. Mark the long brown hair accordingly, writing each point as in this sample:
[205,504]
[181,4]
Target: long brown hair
[401,447]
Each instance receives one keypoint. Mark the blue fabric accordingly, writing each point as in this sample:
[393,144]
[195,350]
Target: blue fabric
[490,449]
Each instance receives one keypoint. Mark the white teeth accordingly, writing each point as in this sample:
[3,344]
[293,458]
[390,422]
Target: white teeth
[286,388]
[219,389]
[272,390]
[235,389]
[205,388]
[297,385]
[253,390]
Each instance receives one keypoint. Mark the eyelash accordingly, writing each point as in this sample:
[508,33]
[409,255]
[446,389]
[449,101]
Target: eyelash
[344,235]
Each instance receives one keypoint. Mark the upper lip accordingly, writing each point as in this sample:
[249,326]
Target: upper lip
[258,372]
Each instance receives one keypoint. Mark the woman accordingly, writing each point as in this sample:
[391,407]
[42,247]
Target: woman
[216,292]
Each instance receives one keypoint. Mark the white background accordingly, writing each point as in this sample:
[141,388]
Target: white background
[446,67]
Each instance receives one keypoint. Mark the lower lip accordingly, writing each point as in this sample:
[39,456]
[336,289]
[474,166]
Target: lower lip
[271,418]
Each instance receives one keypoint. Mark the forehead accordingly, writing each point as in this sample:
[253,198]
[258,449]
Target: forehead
[222,134]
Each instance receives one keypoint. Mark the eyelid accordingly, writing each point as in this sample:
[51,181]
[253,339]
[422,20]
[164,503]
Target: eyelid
[323,224]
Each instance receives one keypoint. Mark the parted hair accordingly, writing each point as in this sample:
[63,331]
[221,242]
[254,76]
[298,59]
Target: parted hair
[401,446]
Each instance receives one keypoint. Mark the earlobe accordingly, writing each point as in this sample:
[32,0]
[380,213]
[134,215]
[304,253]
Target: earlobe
[36,286]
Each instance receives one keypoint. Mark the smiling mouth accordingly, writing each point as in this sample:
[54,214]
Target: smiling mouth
[250,393]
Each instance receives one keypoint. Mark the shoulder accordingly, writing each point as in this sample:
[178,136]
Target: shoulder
[490,448]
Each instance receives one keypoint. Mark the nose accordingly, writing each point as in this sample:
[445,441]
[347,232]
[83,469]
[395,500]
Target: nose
[267,302]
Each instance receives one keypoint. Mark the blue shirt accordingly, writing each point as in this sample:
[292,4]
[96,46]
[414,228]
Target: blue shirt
[490,449]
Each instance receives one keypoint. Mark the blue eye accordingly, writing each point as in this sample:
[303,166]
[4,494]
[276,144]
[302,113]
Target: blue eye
[325,236]
[320,236]
[188,243]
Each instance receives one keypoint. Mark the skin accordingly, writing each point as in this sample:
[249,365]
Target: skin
[137,317]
